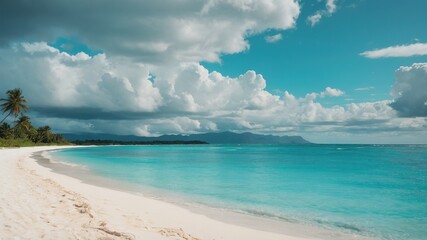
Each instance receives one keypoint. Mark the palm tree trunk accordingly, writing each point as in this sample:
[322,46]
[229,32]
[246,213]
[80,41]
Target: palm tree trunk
[5,118]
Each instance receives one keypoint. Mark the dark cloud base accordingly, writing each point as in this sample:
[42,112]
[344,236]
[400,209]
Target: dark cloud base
[416,108]
[86,113]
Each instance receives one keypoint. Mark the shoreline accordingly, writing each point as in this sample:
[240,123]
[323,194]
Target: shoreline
[223,214]
[128,215]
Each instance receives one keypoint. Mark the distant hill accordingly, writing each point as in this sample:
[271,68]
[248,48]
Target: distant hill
[213,138]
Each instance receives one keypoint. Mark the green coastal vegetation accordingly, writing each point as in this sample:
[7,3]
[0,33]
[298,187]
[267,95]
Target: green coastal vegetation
[21,132]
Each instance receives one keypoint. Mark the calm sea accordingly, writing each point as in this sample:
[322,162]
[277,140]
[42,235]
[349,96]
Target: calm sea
[371,190]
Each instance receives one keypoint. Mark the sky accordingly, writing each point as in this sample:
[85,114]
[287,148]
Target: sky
[332,71]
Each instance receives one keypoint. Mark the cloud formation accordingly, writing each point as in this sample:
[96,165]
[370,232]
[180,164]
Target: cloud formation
[149,31]
[410,91]
[57,79]
[364,88]
[273,38]
[416,49]
[331,7]
[148,79]
[331,92]
[314,19]
[112,94]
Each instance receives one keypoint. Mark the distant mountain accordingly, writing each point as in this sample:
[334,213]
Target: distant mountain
[213,138]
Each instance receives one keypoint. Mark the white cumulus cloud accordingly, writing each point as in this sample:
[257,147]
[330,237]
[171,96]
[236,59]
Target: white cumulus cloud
[149,31]
[331,8]
[57,79]
[314,19]
[74,93]
[331,92]
[273,38]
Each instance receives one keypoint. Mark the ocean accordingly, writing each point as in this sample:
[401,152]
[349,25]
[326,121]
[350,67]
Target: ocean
[378,191]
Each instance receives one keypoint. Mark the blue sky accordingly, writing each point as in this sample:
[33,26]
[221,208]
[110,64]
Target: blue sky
[328,70]
[310,58]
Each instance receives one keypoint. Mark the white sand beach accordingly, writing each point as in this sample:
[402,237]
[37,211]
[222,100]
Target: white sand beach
[36,203]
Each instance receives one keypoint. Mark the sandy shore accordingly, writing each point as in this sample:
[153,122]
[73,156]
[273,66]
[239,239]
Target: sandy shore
[37,203]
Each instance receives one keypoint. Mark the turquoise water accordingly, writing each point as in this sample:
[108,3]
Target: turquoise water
[377,191]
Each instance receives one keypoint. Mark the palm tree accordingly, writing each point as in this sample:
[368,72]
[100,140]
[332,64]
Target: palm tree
[5,131]
[24,123]
[44,134]
[23,127]
[14,104]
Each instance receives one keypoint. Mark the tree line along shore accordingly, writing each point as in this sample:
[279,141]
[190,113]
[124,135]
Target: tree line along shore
[20,131]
